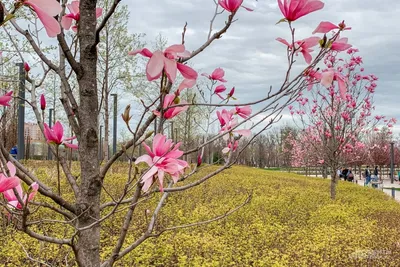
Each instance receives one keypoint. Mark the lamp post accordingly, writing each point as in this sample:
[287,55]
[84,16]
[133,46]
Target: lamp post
[391,162]
[21,113]
[115,125]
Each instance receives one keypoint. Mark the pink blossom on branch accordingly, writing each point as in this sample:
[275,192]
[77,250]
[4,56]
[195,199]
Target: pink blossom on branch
[295,9]
[42,102]
[171,112]
[16,183]
[340,45]
[217,75]
[7,183]
[232,5]
[243,112]
[302,46]
[162,159]
[5,99]
[326,26]
[55,135]
[166,62]
[46,10]
[220,89]
[66,21]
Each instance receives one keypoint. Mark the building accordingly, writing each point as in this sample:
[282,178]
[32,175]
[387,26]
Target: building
[33,133]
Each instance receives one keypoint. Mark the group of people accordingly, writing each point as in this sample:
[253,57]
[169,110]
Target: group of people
[371,178]
[346,174]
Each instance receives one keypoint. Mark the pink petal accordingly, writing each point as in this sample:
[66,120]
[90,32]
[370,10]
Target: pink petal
[35,188]
[161,178]
[244,132]
[187,72]
[11,168]
[186,83]
[158,143]
[72,146]
[307,56]
[99,12]
[311,6]
[8,183]
[283,41]
[327,78]
[58,131]
[148,149]
[155,66]
[147,178]
[325,27]
[170,69]
[177,48]
[74,7]
[50,7]
[168,99]
[49,22]
[144,52]
[144,158]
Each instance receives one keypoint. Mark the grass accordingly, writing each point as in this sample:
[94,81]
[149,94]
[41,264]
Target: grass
[290,221]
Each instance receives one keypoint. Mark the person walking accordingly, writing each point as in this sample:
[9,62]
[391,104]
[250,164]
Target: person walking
[350,176]
[376,173]
[367,176]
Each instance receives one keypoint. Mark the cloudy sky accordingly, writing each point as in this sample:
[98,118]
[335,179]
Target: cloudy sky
[251,57]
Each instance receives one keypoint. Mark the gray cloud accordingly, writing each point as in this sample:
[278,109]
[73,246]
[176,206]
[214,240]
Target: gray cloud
[251,57]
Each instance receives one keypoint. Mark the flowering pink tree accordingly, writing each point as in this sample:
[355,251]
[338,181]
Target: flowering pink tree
[336,110]
[85,209]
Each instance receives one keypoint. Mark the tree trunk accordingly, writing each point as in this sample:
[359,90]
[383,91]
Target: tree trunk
[106,127]
[333,183]
[87,245]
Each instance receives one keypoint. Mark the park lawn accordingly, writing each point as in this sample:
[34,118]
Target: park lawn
[290,221]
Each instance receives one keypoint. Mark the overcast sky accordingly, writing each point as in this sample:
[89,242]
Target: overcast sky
[251,57]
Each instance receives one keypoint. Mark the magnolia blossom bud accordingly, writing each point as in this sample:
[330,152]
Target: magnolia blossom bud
[199,160]
[126,115]
[42,102]
[26,67]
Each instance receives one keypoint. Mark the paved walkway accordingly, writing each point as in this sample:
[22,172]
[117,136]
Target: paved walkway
[387,187]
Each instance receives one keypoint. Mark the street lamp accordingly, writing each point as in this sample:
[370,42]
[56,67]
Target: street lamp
[21,113]
[391,162]
[115,125]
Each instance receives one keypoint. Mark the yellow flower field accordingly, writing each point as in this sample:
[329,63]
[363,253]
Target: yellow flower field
[290,221]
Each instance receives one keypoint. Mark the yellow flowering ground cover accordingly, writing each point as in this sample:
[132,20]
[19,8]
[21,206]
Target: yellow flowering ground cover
[290,221]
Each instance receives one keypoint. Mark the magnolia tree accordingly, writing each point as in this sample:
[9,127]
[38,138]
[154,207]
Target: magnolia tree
[337,113]
[89,203]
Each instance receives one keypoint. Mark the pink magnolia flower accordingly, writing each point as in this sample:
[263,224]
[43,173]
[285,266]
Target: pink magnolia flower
[42,102]
[229,122]
[163,159]
[46,10]
[27,68]
[166,61]
[171,112]
[340,45]
[13,200]
[329,76]
[5,99]
[231,92]
[220,89]
[7,183]
[67,19]
[243,112]
[55,135]
[295,9]
[302,46]
[217,75]
[321,161]
[229,147]
[232,5]
[326,26]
